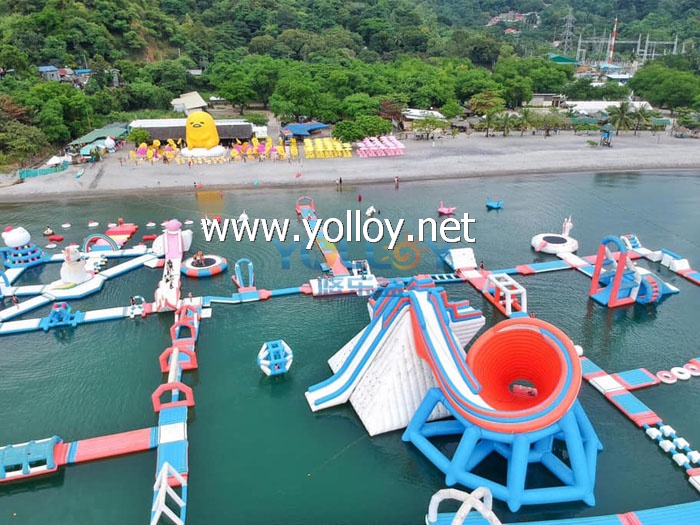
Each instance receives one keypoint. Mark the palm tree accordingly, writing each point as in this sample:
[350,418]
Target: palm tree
[620,116]
[489,118]
[527,120]
[508,122]
[641,116]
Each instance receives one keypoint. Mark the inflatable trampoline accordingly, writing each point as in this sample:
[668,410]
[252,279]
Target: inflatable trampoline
[211,265]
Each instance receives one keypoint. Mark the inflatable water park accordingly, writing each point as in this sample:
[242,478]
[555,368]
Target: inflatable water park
[425,367]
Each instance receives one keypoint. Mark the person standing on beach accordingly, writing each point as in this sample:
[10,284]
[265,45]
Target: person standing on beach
[396,182]
[15,301]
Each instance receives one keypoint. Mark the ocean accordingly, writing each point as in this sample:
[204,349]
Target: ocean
[257,454]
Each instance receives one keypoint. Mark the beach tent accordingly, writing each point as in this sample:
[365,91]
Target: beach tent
[85,151]
[304,130]
[57,161]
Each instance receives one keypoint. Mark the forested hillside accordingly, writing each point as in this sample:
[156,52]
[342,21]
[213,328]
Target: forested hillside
[328,59]
[66,32]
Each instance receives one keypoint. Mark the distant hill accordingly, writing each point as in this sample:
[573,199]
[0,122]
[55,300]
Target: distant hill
[70,33]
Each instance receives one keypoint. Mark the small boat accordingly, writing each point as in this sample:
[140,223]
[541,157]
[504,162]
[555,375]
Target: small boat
[93,224]
[446,210]
[243,217]
[275,358]
[150,224]
[369,212]
[493,205]
[80,173]
[65,225]
[111,225]
[189,221]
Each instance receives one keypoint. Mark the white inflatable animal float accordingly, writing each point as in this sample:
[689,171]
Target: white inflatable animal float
[73,268]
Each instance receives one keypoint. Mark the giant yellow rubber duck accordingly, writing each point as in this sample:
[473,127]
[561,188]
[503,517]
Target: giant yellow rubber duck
[200,131]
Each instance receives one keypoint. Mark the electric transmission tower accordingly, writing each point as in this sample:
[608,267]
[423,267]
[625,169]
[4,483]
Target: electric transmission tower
[567,36]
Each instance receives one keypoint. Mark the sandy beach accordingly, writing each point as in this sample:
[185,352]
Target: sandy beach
[460,157]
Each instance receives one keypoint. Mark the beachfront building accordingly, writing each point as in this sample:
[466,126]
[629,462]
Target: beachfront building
[546,100]
[189,102]
[229,130]
[594,107]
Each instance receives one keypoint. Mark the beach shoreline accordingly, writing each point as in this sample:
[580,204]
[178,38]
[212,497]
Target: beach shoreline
[462,157]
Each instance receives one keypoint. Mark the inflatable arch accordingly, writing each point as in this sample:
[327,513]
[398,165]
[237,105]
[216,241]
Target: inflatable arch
[94,238]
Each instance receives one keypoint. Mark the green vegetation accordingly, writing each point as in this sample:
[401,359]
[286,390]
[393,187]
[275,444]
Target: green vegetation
[138,136]
[364,126]
[325,59]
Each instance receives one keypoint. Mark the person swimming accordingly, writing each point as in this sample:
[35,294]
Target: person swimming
[48,231]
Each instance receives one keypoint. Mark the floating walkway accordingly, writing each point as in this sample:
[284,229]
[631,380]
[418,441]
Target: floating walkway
[103,447]
[44,456]
[58,291]
[306,209]
[91,316]
[339,276]
[616,389]
[172,467]
[476,510]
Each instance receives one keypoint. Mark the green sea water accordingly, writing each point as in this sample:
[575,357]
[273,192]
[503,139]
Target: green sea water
[257,453]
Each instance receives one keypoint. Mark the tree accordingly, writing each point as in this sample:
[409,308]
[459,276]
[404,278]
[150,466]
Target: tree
[490,117]
[516,91]
[470,82]
[294,96]
[481,103]
[263,73]
[50,120]
[526,119]
[451,109]
[20,140]
[360,104]
[364,126]
[167,74]
[139,136]
[641,117]
[551,120]
[348,131]
[430,124]
[10,110]
[620,116]
[237,90]
[13,58]
[257,119]
[507,122]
